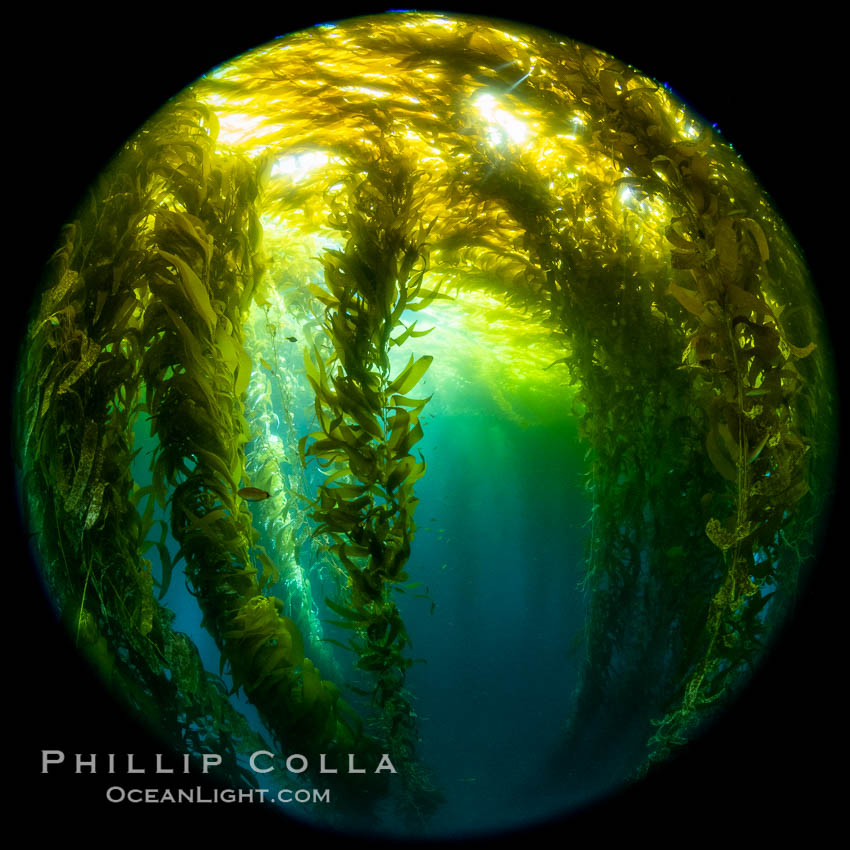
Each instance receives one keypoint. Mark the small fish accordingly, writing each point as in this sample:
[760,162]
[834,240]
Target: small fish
[292,338]
[253,494]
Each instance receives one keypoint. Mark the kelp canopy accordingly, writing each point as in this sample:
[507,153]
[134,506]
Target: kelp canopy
[338,193]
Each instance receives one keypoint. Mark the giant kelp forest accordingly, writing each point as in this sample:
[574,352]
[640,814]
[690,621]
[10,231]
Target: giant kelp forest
[285,234]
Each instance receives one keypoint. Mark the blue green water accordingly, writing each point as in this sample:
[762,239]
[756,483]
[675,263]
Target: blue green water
[500,544]
[498,552]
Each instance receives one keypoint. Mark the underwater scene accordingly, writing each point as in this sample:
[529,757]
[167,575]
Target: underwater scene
[428,422]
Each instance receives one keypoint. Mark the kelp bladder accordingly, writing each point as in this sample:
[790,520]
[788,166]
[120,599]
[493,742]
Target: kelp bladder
[420,151]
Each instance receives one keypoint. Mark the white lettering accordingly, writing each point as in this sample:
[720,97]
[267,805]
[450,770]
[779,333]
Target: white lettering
[303,795]
[292,769]
[51,757]
[323,768]
[91,763]
[351,767]
[385,764]
[253,761]
[210,760]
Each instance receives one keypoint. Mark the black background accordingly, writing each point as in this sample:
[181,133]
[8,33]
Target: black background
[78,86]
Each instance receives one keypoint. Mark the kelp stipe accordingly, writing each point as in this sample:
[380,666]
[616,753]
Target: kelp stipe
[269,242]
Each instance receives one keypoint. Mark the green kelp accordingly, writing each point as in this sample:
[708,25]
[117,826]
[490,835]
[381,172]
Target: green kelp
[280,238]
[92,344]
[369,427]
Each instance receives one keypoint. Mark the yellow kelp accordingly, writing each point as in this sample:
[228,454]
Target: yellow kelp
[333,194]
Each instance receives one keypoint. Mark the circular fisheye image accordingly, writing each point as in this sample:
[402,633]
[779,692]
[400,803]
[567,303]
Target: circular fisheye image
[424,427]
